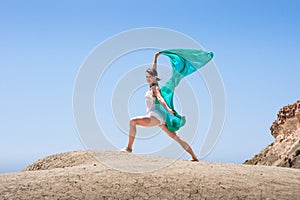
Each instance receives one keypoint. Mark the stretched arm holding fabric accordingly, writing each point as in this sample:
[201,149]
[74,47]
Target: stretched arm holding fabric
[154,66]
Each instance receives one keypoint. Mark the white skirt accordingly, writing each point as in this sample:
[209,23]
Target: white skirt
[157,116]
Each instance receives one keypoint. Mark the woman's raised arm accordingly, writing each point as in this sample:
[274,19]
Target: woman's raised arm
[154,66]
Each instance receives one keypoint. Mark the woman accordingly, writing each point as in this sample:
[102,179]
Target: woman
[154,117]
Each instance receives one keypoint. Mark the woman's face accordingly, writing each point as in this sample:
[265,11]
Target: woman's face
[148,78]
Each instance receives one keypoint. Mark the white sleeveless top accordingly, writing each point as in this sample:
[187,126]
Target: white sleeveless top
[151,109]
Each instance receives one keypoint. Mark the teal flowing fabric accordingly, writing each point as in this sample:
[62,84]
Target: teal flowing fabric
[184,62]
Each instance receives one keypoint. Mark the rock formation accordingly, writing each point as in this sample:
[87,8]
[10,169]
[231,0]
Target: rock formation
[62,160]
[285,150]
[77,175]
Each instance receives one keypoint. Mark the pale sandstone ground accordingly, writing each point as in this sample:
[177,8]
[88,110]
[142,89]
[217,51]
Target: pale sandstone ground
[78,175]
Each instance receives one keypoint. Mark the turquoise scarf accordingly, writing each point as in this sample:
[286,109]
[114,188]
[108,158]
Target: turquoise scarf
[184,62]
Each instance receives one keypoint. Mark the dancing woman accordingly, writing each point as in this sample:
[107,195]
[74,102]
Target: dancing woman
[155,116]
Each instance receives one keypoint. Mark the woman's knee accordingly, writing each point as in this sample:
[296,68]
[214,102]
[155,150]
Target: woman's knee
[177,138]
[165,128]
[132,122]
[173,135]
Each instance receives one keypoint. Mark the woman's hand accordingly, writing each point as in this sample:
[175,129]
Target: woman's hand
[157,54]
[171,111]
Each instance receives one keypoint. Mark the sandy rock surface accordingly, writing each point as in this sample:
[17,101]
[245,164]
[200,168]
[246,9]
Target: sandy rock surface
[173,179]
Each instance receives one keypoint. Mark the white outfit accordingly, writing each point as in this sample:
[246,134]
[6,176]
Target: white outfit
[151,108]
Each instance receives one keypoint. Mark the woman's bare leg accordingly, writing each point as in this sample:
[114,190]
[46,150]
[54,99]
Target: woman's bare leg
[141,121]
[183,143]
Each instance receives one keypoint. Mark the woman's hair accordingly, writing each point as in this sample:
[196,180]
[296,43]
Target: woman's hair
[153,73]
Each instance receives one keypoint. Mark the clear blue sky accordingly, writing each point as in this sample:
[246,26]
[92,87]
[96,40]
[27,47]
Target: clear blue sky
[44,43]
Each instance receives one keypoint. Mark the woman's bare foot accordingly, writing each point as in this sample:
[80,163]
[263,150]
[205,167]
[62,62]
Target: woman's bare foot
[194,160]
[127,149]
